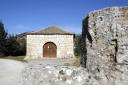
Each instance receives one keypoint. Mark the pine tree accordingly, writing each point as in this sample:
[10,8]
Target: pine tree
[3,35]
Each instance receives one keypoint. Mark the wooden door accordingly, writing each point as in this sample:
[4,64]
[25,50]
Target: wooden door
[49,50]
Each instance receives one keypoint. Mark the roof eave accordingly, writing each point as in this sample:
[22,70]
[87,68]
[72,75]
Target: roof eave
[50,34]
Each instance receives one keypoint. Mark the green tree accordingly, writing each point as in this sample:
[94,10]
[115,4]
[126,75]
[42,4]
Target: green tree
[3,36]
[22,43]
[15,46]
[11,45]
[77,45]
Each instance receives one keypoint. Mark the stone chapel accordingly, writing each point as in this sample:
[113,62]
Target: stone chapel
[51,42]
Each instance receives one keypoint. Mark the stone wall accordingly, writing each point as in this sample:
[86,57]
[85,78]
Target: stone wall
[108,51]
[64,43]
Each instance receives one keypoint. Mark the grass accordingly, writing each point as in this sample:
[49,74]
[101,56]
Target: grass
[74,62]
[18,58]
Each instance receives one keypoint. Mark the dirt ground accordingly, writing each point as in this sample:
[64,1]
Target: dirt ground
[10,71]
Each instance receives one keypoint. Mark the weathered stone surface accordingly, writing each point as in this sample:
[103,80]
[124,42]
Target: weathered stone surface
[57,75]
[107,55]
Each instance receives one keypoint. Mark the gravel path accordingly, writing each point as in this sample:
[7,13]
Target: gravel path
[10,71]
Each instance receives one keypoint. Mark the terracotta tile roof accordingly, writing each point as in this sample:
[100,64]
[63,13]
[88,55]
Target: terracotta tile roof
[51,30]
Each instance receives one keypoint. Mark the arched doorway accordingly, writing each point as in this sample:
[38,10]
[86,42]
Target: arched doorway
[49,50]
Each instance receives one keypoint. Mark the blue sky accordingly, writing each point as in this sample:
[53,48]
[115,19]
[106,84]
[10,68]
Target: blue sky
[32,15]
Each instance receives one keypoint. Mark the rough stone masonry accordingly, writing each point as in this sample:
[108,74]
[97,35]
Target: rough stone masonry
[106,46]
[51,42]
[108,29]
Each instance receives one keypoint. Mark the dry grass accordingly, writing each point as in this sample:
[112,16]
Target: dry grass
[18,58]
[74,62]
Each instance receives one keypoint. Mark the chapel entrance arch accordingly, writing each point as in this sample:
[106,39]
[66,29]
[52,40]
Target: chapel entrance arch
[49,50]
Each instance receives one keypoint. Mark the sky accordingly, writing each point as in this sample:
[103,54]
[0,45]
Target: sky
[20,16]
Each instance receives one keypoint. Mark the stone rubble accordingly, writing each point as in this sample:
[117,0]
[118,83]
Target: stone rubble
[56,75]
